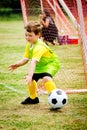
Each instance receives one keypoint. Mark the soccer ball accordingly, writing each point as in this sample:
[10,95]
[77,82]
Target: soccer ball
[57,99]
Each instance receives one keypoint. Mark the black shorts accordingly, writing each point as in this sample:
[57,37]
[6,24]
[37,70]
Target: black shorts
[37,76]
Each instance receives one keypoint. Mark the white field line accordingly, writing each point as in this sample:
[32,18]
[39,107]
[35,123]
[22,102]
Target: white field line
[13,89]
[42,92]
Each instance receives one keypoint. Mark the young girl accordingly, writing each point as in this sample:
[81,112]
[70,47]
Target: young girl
[49,29]
[43,63]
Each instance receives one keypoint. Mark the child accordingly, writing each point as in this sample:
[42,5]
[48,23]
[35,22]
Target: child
[49,29]
[43,63]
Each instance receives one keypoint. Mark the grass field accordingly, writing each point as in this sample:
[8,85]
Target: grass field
[13,115]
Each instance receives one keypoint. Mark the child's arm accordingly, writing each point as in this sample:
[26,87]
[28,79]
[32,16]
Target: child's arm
[28,78]
[18,64]
[45,23]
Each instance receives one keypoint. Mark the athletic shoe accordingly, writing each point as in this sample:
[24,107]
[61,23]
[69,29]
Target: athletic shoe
[30,101]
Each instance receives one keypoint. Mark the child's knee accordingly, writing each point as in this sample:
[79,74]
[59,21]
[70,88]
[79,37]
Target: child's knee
[49,84]
[46,79]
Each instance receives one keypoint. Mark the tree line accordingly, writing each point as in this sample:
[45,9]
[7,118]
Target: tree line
[9,6]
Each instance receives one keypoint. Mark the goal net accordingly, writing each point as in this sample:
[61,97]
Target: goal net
[73,36]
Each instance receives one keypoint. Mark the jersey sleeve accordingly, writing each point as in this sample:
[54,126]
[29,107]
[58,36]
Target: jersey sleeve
[26,53]
[38,52]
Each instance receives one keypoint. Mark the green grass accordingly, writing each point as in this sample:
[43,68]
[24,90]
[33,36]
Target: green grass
[14,116]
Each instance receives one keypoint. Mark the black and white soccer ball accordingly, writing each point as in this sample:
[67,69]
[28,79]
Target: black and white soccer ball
[57,99]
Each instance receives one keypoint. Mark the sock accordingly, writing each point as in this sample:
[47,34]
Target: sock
[50,86]
[32,89]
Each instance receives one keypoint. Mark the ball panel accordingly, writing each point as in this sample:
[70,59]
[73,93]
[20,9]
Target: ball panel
[59,92]
[64,101]
[54,101]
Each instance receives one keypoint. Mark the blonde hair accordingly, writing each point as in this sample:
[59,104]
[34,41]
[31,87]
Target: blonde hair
[34,27]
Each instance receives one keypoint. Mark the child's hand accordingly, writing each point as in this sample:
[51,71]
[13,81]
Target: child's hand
[40,16]
[13,67]
[28,80]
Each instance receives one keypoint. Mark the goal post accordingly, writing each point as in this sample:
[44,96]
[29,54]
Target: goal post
[24,11]
[82,30]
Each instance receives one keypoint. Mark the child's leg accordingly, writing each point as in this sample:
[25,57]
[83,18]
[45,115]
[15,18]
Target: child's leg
[49,84]
[32,99]
[32,89]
